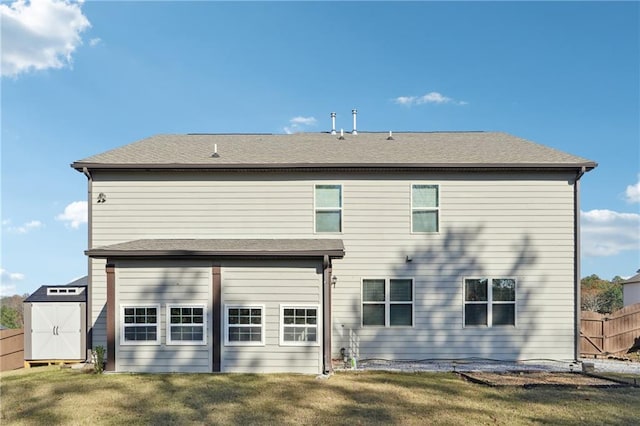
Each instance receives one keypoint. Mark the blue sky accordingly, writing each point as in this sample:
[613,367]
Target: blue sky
[82,78]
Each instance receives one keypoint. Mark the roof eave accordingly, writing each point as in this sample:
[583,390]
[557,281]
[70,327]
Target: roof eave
[79,166]
[103,254]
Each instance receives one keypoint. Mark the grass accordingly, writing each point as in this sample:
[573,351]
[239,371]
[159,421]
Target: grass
[49,395]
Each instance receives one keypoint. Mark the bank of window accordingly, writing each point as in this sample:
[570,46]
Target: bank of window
[299,325]
[140,324]
[186,324]
[489,302]
[328,208]
[425,208]
[244,325]
[387,302]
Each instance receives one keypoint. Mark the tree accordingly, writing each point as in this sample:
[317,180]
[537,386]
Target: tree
[600,295]
[9,317]
[11,312]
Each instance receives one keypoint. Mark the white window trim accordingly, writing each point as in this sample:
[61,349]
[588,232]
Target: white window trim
[387,302]
[425,209]
[226,325]
[124,342]
[203,325]
[490,302]
[282,325]
[329,209]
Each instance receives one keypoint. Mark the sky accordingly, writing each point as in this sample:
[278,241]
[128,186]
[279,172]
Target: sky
[82,78]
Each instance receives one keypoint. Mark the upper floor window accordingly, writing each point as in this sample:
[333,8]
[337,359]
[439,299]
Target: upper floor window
[328,208]
[425,208]
[387,302]
[489,301]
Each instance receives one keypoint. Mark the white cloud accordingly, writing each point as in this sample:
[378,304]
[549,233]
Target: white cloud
[297,124]
[32,225]
[429,98]
[75,214]
[607,233]
[8,282]
[95,41]
[40,34]
[633,192]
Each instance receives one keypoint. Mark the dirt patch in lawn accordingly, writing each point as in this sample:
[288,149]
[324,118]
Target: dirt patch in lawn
[531,379]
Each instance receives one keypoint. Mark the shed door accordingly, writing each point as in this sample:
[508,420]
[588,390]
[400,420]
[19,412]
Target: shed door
[56,331]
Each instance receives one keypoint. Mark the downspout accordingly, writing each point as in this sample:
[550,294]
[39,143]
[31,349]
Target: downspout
[89,307]
[326,316]
[576,254]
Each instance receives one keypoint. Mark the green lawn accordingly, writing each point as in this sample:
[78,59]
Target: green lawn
[49,395]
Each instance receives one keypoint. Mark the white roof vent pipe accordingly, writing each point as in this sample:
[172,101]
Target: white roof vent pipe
[355,113]
[333,123]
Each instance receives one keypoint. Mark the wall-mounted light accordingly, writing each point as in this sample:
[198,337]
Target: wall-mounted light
[334,280]
[102,198]
[408,258]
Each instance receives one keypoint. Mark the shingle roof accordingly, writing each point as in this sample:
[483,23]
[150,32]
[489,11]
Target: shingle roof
[222,247]
[634,279]
[322,150]
[40,295]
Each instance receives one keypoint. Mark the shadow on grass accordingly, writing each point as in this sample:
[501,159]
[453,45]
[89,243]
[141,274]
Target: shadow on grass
[56,397]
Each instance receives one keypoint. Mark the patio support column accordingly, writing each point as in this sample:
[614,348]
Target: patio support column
[216,313]
[111,317]
[326,316]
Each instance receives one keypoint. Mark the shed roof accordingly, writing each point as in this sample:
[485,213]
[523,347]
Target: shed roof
[323,150]
[222,248]
[41,294]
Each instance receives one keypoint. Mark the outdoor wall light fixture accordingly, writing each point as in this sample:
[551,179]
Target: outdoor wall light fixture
[408,258]
[102,198]
[334,280]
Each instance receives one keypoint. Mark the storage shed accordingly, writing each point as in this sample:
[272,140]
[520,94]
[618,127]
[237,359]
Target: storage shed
[55,323]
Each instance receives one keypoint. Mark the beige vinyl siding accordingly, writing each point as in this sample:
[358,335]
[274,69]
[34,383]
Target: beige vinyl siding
[163,282]
[499,224]
[271,284]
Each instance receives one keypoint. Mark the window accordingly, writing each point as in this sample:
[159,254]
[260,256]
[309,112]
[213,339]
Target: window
[64,291]
[328,208]
[387,302]
[489,301]
[244,325]
[425,208]
[299,325]
[186,324]
[140,325]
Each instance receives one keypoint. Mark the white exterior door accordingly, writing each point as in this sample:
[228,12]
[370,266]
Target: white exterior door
[56,331]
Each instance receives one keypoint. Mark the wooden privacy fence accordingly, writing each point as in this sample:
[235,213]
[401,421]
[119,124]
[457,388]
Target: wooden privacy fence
[11,349]
[610,334]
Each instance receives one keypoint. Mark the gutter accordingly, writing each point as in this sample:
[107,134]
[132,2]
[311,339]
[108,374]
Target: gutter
[576,267]
[80,166]
[89,290]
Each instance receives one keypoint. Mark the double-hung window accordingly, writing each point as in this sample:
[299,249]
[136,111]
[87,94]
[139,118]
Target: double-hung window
[299,325]
[244,325]
[186,325]
[328,208]
[425,208]
[387,302]
[489,301]
[140,324]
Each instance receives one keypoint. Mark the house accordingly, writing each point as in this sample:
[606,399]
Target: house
[631,290]
[279,253]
